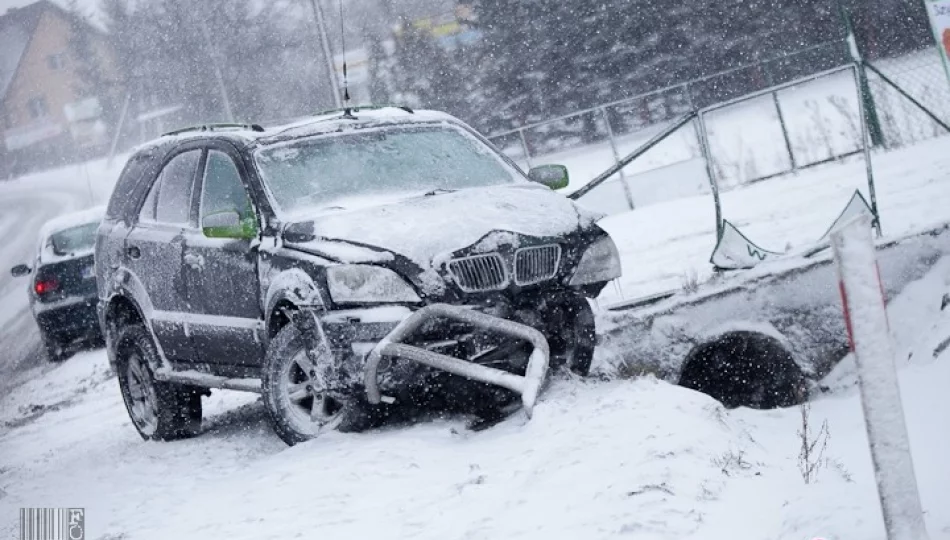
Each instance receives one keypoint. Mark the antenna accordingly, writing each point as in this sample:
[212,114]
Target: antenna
[347,113]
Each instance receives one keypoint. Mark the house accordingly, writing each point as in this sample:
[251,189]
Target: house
[46,111]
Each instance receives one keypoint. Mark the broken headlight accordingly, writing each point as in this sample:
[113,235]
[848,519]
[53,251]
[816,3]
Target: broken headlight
[364,284]
[601,262]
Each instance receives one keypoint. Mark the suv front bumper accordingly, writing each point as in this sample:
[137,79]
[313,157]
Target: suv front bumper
[380,333]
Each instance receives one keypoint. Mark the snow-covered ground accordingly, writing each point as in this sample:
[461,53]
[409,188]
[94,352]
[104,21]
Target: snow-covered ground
[600,459]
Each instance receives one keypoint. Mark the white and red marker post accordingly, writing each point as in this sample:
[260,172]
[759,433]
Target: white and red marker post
[866,319]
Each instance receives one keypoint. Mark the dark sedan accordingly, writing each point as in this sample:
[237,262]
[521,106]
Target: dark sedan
[63,289]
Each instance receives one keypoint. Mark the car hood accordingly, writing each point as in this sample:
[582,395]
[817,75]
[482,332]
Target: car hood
[427,229]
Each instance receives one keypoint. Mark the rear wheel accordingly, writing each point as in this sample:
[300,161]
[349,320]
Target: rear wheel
[297,394]
[158,410]
[54,351]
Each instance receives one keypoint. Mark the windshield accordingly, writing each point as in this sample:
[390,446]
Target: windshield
[74,240]
[327,172]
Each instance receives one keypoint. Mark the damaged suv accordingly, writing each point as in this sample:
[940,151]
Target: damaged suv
[338,265]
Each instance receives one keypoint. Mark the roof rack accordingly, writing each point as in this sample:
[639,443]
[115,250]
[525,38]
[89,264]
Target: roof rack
[217,127]
[356,108]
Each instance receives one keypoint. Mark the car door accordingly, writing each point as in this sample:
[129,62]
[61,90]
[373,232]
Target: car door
[221,267]
[154,247]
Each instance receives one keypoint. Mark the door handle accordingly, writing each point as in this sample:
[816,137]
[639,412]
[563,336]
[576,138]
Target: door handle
[194,260]
[133,252]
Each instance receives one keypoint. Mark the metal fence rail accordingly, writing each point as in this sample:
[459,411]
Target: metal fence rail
[608,121]
[905,100]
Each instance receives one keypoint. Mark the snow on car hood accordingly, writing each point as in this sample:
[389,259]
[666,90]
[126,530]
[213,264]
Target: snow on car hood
[423,228]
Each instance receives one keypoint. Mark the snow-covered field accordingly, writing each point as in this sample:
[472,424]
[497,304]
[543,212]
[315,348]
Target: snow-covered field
[600,459]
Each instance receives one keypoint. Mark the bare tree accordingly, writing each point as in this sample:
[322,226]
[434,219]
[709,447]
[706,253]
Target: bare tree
[811,456]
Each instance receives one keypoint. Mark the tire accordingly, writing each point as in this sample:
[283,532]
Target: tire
[572,334]
[160,411]
[54,351]
[295,392]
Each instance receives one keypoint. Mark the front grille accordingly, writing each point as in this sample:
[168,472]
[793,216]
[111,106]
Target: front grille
[536,264]
[480,273]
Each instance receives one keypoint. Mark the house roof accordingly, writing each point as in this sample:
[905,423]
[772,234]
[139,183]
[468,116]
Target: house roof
[17,26]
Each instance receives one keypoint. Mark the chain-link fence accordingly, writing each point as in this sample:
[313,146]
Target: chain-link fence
[911,96]
[908,101]
[908,83]
[638,114]
[593,139]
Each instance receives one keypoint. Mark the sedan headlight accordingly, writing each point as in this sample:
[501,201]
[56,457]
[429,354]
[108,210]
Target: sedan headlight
[364,284]
[601,262]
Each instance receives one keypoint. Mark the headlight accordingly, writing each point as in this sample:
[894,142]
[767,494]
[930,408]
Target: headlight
[601,262]
[368,285]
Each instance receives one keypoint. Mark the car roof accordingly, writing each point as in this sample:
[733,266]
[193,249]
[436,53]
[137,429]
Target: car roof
[74,219]
[333,121]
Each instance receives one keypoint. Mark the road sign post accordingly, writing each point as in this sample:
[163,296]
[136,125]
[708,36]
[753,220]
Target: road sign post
[866,320]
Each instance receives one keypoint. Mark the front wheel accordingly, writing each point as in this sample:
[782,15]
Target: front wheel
[571,334]
[296,392]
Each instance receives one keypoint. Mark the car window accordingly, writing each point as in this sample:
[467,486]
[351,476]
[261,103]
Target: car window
[74,239]
[148,209]
[223,190]
[169,200]
[123,196]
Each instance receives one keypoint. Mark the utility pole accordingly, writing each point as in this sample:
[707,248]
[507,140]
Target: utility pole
[217,72]
[327,53]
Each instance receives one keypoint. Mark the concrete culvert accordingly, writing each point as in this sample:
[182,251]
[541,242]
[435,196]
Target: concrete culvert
[745,369]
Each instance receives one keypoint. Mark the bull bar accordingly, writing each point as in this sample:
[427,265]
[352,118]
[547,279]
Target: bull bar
[528,386]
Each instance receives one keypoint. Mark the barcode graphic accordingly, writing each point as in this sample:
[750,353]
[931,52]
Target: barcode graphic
[52,524]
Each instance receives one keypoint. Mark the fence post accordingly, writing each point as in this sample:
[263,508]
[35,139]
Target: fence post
[869,167]
[710,170]
[524,146]
[788,141]
[613,148]
[866,320]
[867,98]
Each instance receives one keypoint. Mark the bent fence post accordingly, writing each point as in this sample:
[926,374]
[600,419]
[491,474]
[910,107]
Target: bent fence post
[866,320]
[866,142]
[623,162]
[616,153]
[703,136]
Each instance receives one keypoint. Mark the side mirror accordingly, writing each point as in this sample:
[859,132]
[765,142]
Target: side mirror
[299,232]
[553,176]
[20,270]
[228,224]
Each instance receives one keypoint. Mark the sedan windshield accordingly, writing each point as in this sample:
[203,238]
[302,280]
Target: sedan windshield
[337,170]
[74,240]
